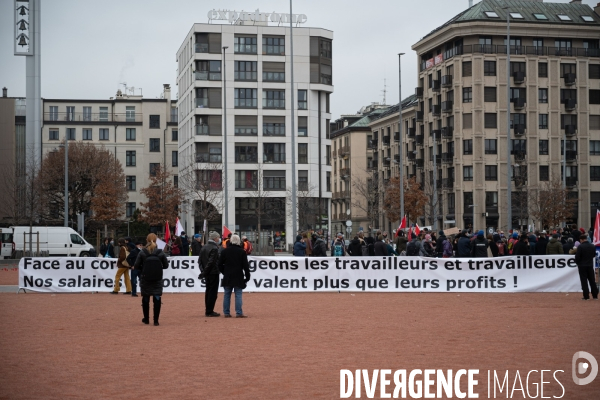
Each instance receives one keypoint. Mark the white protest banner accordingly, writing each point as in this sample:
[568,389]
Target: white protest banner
[312,274]
[160,244]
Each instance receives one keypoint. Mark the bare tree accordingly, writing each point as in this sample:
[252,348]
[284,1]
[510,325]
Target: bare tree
[552,204]
[163,196]
[415,199]
[307,206]
[366,195]
[428,210]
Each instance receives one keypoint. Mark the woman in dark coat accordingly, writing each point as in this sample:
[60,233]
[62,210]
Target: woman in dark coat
[493,246]
[233,264]
[148,287]
[107,249]
[380,247]
[299,247]
[522,247]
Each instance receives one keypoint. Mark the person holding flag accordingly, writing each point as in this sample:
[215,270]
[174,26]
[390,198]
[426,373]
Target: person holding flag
[400,240]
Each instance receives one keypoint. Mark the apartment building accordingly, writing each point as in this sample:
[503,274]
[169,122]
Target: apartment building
[141,132]
[236,120]
[554,95]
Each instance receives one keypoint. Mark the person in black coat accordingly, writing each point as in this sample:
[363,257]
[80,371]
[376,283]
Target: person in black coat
[233,264]
[522,247]
[479,245]
[196,245]
[464,245]
[355,248]
[542,243]
[209,265]
[586,252]
[148,287]
[185,245]
[380,247]
[568,245]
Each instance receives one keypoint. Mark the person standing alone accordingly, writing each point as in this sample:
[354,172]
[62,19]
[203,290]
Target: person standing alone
[233,264]
[586,252]
[151,261]
[208,261]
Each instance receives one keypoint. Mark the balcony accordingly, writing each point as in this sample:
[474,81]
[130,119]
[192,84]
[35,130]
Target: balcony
[520,180]
[412,132]
[412,156]
[571,156]
[447,106]
[204,130]
[447,131]
[246,158]
[419,116]
[202,102]
[82,118]
[397,158]
[519,154]
[571,181]
[207,76]
[420,162]
[570,130]
[447,183]
[344,172]
[437,134]
[419,139]
[344,151]
[386,140]
[446,80]
[373,165]
[519,103]
[396,136]
[519,129]
[447,158]
[570,104]
[208,158]
[386,162]
[437,159]
[436,110]
[201,47]
[419,92]
[570,79]
[519,77]
[436,86]
[373,143]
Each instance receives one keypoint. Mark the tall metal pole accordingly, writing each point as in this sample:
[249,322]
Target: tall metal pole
[66,180]
[292,105]
[225,165]
[400,139]
[435,198]
[508,145]
[564,162]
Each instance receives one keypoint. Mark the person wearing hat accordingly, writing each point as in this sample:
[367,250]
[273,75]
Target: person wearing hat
[584,257]
[542,243]
[299,247]
[439,246]
[196,245]
[464,245]
[338,247]
[185,245]
[554,246]
[521,248]
[512,242]
[479,246]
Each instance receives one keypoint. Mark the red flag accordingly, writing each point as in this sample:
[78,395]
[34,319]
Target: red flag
[417,230]
[597,229]
[402,225]
[167,232]
[409,234]
[226,232]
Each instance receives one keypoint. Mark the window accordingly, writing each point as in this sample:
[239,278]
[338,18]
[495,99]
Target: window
[541,17]
[86,134]
[208,97]
[327,155]
[208,70]
[246,153]
[490,121]
[130,182]
[489,94]
[430,105]
[130,209]
[174,115]
[245,71]
[594,96]
[273,99]
[273,45]
[302,153]
[519,146]
[544,173]
[543,151]
[155,122]
[468,173]
[174,159]
[516,15]
[567,119]
[274,153]
[429,81]
[563,17]
[594,122]
[70,113]
[246,125]
[568,94]
[468,146]
[302,126]
[517,119]
[176,183]
[155,145]
[103,115]
[491,146]
[538,43]
[130,158]
[130,134]
[594,71]
[327,103]
[274,180]
[53,114]
[467,121]
[273,71]
[542,70]
[87,114]
[467,95]
[71,133]
[247,180]
[491,14]
[273,126]
[567,69]
[130,113]
[489,68]
[174,135]
[467,69]
[328,182]
[154,167]
[517,93]
[491,199]
[208,43]
[53,134]
[244,44]
[587,18]
[103,134]
[594,173]
[543,121]
[245,98]
[594,147]
[491,172]
[302,100]
[543,95]
[303,180]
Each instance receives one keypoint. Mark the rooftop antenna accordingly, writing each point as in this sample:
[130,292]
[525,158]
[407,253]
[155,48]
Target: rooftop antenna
[384,91]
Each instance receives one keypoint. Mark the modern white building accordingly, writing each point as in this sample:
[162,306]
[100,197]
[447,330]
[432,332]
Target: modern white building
[235,122]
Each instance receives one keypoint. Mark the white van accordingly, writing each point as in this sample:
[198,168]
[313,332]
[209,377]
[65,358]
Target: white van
[58,241]
[6,243]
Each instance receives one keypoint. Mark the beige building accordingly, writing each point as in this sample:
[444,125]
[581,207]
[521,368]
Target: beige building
[554,95]
[141,132]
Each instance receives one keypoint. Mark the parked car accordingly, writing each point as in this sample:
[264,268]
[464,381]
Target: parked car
[58,241]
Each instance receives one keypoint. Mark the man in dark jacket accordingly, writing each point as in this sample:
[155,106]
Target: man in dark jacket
[439,244]
[540,247]
[568,245]
[479,246]
[400,241]
[554,246]
[319,248]
[355,248]
[196,245]
[380,247]
[208,262]
[464,245]
[185,245]
[521,248]
[134,250]
[586,252]
[233,264]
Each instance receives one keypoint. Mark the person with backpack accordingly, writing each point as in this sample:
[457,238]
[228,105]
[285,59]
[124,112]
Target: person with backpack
[123,269]
[209,271]
[479,246]
[299,247]
[131,259]
[364,249]
[512,242]
[247,245]
[448,248]
[233,264]
[338,247]
[413,248]
[320,248]
[151,262]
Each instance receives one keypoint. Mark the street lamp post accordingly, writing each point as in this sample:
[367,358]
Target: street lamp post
[225,165]
[292,105]
[400,163]
[66,181]
[508,146]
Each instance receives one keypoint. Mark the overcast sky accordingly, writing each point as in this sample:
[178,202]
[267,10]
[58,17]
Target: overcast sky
[90,47]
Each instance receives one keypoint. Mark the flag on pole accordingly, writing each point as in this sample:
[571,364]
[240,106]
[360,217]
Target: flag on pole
[167,232]
[417,230]
[409,234]
[226,232]
[178,228]
[402,225]
[597,229]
